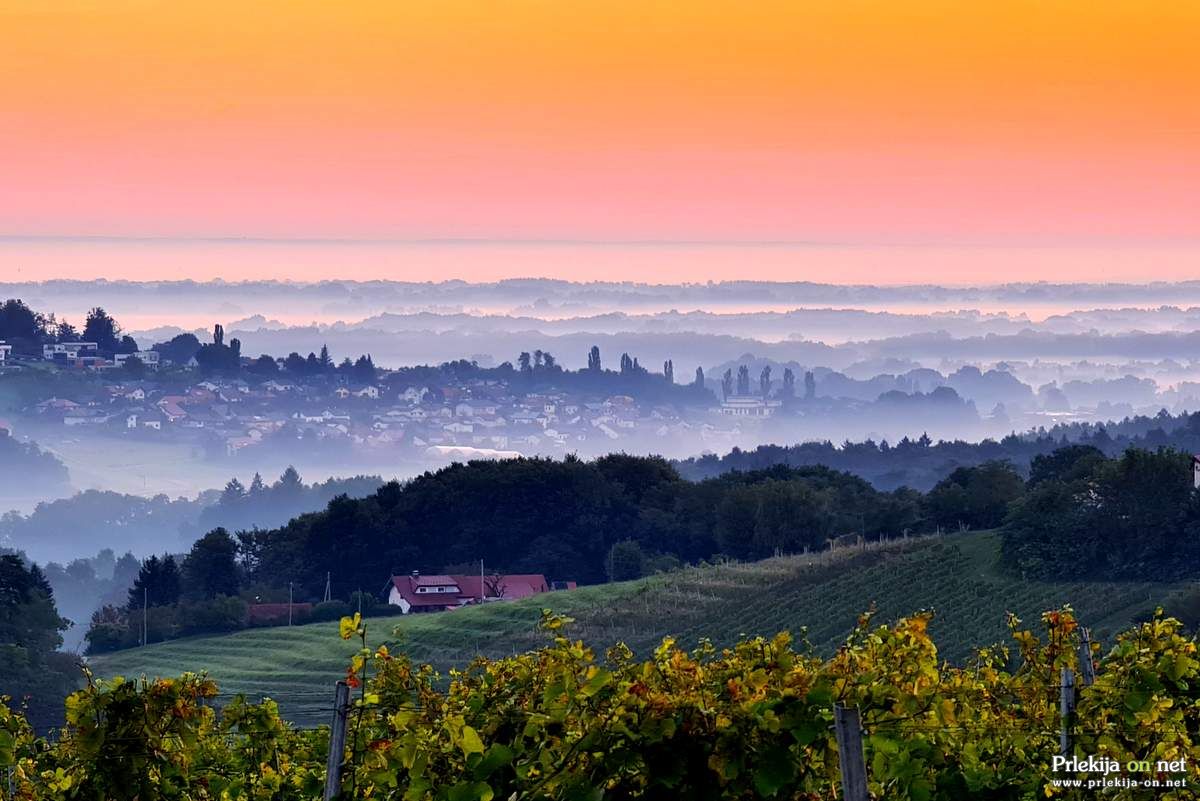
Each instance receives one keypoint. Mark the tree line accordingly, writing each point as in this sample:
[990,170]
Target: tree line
[27,469]
[613,518]
[32,670]
[27,330]
[63,528]
[921,462]
[540,371]
[1133,516]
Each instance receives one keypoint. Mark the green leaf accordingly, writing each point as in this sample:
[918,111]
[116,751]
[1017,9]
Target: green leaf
[883,744]
[470,791]
[471,744]
[807,731]
[820,695]
[596,683]
[497,756]
[1137,700]
[775,770]
[417,787]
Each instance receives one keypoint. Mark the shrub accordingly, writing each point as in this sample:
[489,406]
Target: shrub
[223,613]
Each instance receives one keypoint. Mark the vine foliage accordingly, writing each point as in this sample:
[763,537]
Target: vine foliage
[753,721]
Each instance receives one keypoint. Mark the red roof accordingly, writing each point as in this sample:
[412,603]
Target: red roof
[407,587]
[467,589]
[512,586]
[433,581]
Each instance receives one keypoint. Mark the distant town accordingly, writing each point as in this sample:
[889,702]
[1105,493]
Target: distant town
[101,386]
[211,396]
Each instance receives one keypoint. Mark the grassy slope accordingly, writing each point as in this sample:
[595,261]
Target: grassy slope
[954,576]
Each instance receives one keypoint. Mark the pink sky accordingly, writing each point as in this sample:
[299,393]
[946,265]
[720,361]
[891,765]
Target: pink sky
[910,140]
[965,265]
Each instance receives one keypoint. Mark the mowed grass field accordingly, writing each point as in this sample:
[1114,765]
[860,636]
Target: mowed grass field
[819,596]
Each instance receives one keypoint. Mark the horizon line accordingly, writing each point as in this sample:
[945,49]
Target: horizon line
[68,239]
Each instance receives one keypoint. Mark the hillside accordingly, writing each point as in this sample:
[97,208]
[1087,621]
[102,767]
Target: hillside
[954,576]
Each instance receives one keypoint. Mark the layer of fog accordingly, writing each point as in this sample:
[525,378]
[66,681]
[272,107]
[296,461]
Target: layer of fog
[1017,357]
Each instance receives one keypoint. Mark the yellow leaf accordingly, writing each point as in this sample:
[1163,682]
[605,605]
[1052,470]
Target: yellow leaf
[349,626]
[471,744]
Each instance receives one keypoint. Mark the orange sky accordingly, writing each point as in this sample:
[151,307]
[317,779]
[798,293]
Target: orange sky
[1063,125]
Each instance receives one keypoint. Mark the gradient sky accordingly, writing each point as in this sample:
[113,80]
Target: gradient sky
[886,136]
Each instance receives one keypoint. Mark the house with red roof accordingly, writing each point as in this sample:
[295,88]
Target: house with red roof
[172,407]
[419,593]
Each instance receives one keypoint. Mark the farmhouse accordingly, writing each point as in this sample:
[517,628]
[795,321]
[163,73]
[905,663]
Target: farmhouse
[418,593]
[5,350]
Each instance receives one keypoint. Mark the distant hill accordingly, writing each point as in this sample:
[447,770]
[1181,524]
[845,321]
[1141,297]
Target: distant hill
[28,471]
[955,576]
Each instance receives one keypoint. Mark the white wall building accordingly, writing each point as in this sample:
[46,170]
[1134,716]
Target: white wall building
[5,351]
[69,350]
[147,357]
[749,406]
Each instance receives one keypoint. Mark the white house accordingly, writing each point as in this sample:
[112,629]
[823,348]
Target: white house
[5,350]
[85,417]
[69,350]
[371,392]
[414,394]
[417,593]
[146,357]
[749,406]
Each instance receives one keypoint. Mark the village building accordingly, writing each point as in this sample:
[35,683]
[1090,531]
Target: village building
[69,351]
[419,593]
[150,358]
[749,406]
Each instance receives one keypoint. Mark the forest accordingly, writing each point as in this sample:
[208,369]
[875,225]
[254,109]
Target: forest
[1129,517]
[27,469]
[69,527]
[922,462]
[621,517]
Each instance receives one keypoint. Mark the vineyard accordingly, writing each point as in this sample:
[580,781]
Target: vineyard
[823,594]
[749,722]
